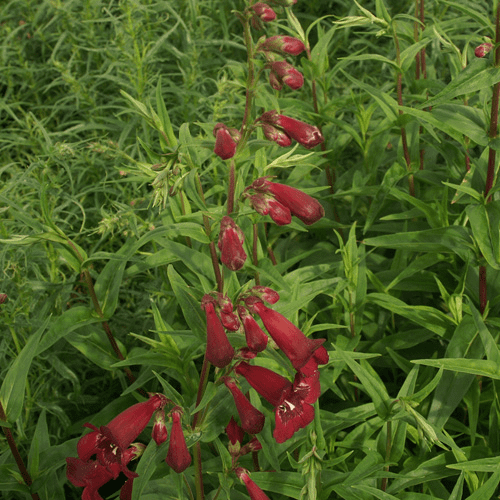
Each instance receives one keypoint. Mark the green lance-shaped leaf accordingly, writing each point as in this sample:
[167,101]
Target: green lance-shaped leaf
[14,384]
[485,221]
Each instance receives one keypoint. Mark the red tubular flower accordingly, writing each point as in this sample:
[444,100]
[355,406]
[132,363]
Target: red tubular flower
[178,456]
[283,45]
[230,244]
[253,490]
[270,385]
[265,293]
[305,134]
[234,432]
[282,72]
[160,433]
[225,146]
[252,420]
[272,133]
[254,335]
[297,347]
[483,49]
[219,350]
[300,204]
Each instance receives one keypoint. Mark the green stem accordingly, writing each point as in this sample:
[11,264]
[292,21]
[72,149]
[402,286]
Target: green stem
[388,448]
[15,453]
[254,252]
[230,189]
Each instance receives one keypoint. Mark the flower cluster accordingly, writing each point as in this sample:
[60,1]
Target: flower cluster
[106,452]
[281,202]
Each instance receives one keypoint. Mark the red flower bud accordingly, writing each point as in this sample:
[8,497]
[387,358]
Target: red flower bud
[272,133]
[264,12]
[252,445]
[253,490]
[305,134]
[256,339]
[265,293]
[225,146]
[483,49]
[283,72]
[252,420]
[178,456]
[283,45]
[265,205]
[219,350]
[297,347]
[160,433]
[230,244]
[234,432]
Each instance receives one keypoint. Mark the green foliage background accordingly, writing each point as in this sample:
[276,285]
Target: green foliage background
[392,282]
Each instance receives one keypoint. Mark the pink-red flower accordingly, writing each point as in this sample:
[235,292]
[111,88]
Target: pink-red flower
[219,352]
[283,45]
[483,49]
[267,205]
[230,244]
[225,141]
[253,490]
[297,347]
[282,72]
[252,420]
[160,433]
[178,456]
[276,135]
[305,134]
[262,14]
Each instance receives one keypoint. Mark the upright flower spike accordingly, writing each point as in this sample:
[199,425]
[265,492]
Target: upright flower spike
[225,145]
[297,347]
[252,420]
[230,243]
[282,45]
[282,72]
[305,134]
[178,456]
[255,337]
[220,352]
[253,490]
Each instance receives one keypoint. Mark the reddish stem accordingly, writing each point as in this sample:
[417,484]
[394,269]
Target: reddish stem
[254,252]
[230,189]
[483,295]
[15,453]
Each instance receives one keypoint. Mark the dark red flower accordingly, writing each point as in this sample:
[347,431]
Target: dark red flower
[230,244]
[283,45]
[160,433]
[220,352]
[255,337]
[282,72]
[251,446]
[178,456]
[297,347]
[225,145]
[234,432]
[265,293]
[305,134]
[253,490]
[252,420]
[483,49]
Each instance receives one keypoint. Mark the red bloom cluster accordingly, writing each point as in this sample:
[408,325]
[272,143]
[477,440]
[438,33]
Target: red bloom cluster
[111,445]
[106,451]
[281,202]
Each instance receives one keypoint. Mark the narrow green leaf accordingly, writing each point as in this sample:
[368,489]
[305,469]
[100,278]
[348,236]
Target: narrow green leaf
[164,117]
[482,367]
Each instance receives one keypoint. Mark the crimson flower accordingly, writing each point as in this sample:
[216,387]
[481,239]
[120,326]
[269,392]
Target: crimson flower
[253,490]
[254,335]
[305,134]
[178,456]
[225,145]
[282,72]
[262,13]
[234,432]
[252,420]
[219,350]
[276,135]
[160,433]
[230,244]
[265,293]
[291,402]
[283,45]
[297,347]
